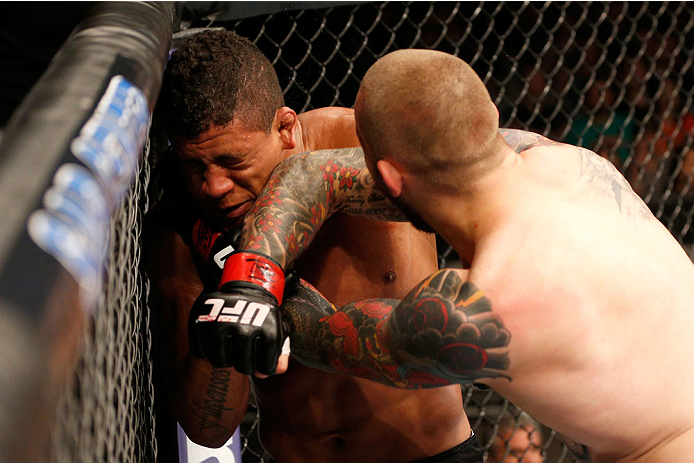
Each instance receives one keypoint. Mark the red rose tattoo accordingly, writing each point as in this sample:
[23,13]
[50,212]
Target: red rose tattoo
[443,332]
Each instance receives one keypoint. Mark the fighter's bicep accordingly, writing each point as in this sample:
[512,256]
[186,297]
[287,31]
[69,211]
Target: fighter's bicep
[315,184]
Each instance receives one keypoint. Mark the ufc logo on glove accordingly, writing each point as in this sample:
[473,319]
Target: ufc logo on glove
[242,312]
[246,330]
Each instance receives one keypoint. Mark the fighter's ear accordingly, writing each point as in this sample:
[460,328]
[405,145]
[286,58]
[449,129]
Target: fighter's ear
[392,176]
[285,122]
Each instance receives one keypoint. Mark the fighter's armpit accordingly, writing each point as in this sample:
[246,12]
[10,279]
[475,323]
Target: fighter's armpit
[443,332]
[520,140]
[579,451]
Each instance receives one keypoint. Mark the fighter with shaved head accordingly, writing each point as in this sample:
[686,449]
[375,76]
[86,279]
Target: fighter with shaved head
[578,305]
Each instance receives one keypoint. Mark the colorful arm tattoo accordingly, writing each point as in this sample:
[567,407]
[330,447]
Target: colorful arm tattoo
[443,332]
[302,193]
[520,140]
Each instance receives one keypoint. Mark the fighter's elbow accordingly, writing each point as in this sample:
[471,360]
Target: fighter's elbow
[206,437]
[213,443]
[209,425]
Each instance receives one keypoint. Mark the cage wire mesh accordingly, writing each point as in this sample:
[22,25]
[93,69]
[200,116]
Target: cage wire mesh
[106,414]
[612,77]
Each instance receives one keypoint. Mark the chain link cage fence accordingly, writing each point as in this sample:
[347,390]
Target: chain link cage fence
[71,152]
[613,77]
[107,413]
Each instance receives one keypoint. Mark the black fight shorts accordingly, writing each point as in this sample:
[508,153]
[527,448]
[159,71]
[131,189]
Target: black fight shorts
[467,451]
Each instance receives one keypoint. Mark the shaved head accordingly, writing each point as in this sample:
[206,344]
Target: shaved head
[429,111]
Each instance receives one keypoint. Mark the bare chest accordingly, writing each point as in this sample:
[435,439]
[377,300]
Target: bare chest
[354,258]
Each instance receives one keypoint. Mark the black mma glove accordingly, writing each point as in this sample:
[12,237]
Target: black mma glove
[213,247]
[240,325]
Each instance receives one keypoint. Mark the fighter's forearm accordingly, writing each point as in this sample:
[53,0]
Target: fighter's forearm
[209,402]
[346,340]
[302,193]
[443,332]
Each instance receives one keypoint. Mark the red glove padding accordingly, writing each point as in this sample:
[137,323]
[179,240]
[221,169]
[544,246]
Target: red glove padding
[253,270]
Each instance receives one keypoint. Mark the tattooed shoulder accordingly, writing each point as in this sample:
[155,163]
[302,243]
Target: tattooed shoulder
[520,140]
[601,177]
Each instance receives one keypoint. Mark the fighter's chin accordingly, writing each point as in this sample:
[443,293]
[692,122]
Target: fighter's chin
[237,212]
[231,217]
[413,216]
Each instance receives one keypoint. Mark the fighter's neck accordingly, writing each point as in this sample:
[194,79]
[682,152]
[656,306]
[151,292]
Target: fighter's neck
[465,219]
[463,224]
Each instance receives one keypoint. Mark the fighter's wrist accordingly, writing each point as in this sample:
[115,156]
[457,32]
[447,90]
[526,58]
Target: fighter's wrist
[254,268]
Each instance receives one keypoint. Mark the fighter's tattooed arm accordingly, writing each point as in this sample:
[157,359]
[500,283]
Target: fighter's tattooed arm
[210,410]
[442,332]
[520,140]
[302,193]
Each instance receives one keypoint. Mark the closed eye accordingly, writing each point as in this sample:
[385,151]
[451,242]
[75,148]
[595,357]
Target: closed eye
[230,161]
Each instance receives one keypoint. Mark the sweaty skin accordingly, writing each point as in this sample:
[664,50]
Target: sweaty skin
[306,414]
[600,333]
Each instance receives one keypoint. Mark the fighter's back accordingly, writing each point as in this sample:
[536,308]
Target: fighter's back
[599,299]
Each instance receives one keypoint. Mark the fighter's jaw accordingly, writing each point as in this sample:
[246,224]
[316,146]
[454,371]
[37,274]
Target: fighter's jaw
[237,211]
[230,216]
